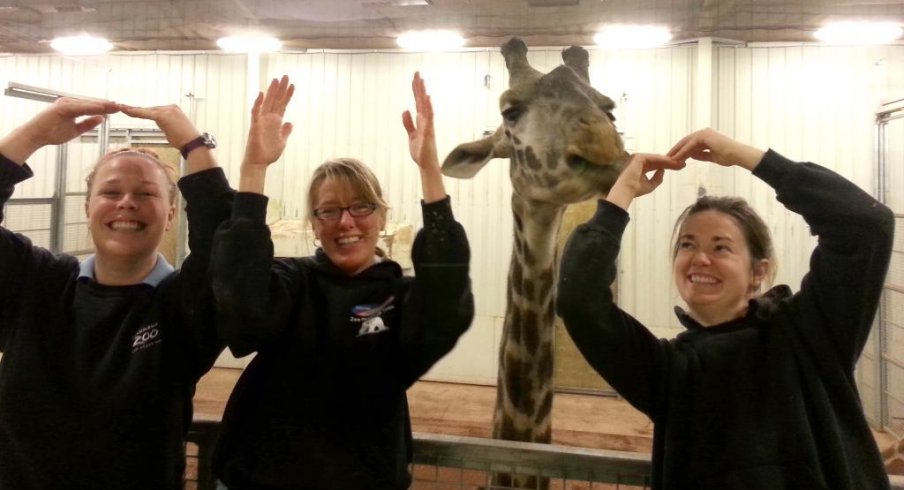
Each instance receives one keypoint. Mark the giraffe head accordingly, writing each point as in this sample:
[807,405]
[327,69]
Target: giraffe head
[557,130]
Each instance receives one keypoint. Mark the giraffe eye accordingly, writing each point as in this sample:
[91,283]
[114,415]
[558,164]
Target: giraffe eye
[512,114]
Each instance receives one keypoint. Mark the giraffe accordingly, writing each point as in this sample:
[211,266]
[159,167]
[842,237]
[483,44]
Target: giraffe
[560,137]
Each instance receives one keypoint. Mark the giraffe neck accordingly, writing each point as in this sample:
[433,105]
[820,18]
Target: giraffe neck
[524,396]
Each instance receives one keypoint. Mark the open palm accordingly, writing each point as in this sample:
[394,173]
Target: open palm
[268,134]
[421,138]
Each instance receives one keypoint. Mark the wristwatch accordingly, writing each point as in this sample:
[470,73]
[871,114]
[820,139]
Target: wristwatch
[205,139]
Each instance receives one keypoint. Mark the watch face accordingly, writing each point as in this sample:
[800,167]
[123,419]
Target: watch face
[209,140]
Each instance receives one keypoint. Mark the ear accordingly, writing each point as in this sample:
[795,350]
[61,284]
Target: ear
[759,273]
[468,158]
[170,217]
[87,215]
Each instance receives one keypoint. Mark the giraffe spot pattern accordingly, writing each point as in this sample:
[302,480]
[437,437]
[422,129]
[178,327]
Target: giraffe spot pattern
[531,159]
[519,384]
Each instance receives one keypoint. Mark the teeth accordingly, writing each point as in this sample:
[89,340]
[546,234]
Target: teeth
[698,279]
[125,225]
[348,239]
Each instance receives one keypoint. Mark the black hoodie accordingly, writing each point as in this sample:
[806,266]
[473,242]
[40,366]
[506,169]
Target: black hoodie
[322,404]
[96,382]
[767,401]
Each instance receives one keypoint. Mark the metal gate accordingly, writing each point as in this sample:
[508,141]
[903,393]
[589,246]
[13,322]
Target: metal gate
[881,370]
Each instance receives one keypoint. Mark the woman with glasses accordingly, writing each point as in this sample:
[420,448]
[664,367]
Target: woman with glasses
[340,336]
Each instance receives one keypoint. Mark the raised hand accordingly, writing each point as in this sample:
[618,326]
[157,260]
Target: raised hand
[421,137]
[708,145]
[58,123]
[422,142]
[634,181]
[268,134]
[175,125]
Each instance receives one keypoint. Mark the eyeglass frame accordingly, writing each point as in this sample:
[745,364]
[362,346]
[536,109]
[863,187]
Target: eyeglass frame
[369,206]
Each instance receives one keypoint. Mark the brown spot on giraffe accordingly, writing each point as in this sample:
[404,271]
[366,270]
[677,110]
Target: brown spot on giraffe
[563,146]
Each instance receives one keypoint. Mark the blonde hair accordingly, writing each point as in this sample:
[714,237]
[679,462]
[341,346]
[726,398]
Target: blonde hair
[145,153]
[351,173]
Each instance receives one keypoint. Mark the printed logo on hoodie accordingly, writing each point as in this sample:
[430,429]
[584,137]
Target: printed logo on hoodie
[145,337]
[369,317]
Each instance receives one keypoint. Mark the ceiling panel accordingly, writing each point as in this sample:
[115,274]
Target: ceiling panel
[28,25]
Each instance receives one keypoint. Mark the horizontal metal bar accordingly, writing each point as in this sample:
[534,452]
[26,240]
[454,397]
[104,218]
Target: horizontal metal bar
[549,460]
[42,94]
[30,201]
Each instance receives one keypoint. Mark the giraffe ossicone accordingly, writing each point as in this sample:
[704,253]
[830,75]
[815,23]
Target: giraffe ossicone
[560,137]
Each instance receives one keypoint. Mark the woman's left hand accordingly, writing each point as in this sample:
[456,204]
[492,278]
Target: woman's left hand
[268,134]
[175,125]
[421,138]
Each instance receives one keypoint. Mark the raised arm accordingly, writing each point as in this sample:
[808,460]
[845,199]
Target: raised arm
[254,294]
[20,261]
[622,350]
[440,305]
[839,295]
[422,142]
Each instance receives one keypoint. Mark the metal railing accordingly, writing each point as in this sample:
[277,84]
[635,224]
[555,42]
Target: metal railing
[454,462]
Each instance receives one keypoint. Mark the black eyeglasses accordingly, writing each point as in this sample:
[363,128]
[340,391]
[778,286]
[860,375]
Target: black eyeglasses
[331,213]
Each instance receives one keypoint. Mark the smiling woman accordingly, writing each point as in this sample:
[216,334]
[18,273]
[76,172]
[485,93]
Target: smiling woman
[758,392]
[340,336]
[117,342]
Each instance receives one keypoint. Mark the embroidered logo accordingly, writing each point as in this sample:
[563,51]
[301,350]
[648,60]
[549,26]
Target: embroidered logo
[369,317]
[145,337]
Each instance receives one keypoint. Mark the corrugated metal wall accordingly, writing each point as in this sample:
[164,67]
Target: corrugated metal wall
[808,102]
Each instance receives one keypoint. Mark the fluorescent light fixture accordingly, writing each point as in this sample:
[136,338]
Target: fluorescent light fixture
[859,33]
[430,40]
[83,44]
[249,44]
[627,36]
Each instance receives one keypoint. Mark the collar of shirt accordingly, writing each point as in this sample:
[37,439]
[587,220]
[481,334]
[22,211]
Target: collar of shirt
[161,270]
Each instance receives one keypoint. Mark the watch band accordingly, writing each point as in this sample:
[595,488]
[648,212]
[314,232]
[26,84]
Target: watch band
[204,139]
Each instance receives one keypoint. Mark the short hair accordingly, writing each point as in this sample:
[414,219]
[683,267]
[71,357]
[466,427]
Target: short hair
[756,233]
[145,153]
[351,173]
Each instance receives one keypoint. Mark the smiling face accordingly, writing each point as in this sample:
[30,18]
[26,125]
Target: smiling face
[350,242]
[713,269]
[129,207]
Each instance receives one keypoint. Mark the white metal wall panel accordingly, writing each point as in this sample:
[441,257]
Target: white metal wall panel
[808,102]
[812,103]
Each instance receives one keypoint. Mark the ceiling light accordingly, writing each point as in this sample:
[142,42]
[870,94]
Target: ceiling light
[859,33]
[83,44]
[249,44]
[632,36]
[431,40]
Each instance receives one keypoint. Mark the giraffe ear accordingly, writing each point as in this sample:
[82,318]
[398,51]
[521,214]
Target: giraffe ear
[468,158]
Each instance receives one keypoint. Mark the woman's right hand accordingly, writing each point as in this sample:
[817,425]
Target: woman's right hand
[55,125]
[634,181]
